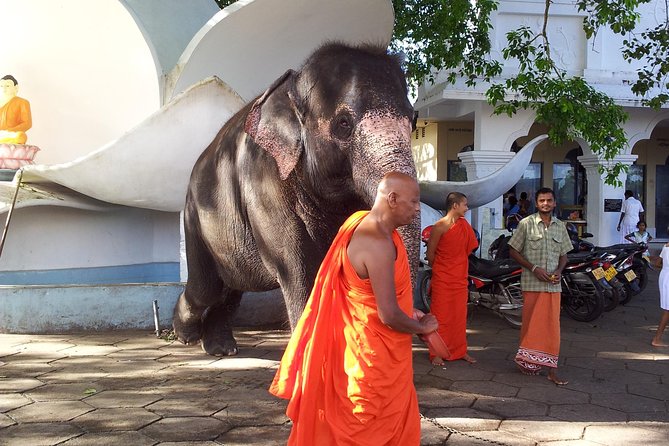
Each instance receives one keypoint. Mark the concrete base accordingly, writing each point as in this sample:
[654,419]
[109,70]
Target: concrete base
[64,308]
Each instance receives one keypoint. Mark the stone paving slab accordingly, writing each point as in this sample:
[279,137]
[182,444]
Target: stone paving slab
[131,388]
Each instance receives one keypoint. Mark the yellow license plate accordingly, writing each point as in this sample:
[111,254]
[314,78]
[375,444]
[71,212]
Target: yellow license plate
[598,273]
[630,275]
[610,273]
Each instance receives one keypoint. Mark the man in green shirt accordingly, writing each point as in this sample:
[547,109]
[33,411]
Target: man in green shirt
[540,244]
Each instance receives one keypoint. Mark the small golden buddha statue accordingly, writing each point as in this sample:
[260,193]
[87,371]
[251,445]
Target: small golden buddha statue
[15,117]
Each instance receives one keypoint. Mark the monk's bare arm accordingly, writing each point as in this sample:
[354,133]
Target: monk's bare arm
[437,230]
[379,262]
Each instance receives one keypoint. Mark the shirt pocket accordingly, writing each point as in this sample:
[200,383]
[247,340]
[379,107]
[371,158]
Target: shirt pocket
[535,242]
[556,244]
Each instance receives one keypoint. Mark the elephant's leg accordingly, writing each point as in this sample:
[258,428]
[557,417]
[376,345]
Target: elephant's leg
[202,291]
[217,337]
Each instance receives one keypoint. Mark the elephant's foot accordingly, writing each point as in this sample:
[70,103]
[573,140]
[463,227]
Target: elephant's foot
[225,345]
[217,338]
[187,324]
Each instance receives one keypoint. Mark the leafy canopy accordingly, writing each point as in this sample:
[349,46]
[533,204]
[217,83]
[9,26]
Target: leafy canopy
[453,36]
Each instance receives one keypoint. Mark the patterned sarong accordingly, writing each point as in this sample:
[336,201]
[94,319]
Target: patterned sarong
[540,333]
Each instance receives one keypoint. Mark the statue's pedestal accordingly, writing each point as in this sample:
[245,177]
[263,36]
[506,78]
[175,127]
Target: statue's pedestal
[15,156]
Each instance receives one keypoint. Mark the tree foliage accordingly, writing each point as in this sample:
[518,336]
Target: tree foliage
[453,37]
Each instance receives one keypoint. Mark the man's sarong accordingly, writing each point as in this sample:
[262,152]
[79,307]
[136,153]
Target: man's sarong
[540,333]
[449,286]
[349,377]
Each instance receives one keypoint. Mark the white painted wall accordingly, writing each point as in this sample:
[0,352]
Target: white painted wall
[76,238]
[84,66]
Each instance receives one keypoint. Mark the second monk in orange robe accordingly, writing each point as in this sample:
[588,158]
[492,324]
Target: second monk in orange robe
[451,241]
[347,369]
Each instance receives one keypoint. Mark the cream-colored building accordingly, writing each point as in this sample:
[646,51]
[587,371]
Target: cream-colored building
[458,137]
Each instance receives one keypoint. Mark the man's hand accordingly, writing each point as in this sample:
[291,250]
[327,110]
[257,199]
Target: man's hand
[428,323]
[542,275]
[555,277]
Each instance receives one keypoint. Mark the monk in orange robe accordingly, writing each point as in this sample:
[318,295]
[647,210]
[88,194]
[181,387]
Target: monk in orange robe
[451,241]
[15,115]
[347,369]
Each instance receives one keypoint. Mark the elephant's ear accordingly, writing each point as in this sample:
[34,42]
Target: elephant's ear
[274,123]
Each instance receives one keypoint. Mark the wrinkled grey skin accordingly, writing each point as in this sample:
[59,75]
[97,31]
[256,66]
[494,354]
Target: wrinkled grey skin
[267,197]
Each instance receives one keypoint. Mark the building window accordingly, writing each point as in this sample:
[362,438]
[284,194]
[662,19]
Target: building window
[662,201]
[529,183]
[456,171]
[570,187]
[636,176]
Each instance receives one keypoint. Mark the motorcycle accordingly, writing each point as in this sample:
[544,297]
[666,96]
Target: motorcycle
[582,294]
[584,297]
[626,260]
[494,285]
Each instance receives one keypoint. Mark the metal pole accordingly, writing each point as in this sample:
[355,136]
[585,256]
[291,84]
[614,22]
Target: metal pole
[11,209]
[156,319]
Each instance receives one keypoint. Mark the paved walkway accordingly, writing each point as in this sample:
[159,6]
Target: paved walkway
[130,388]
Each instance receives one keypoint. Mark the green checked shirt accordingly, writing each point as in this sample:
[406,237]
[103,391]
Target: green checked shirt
[541,246]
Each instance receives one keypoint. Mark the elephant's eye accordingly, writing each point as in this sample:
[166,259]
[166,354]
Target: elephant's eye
[342,126]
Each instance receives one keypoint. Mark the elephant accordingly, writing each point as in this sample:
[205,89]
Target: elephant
[267,196]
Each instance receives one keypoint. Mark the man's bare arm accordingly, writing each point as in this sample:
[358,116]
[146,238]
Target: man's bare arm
[378,260]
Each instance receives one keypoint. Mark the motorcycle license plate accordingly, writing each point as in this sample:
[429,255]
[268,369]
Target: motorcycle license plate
[630,275]
[598,273]
[610,273]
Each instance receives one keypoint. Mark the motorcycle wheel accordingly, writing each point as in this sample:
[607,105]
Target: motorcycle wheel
[611,298]
[584,301]
[514,294]
[641,271]
[424,289]
[625,295]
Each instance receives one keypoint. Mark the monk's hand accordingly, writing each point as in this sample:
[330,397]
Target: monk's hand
[428,323]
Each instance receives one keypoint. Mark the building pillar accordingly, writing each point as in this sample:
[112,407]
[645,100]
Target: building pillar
[602,225]
[479,164]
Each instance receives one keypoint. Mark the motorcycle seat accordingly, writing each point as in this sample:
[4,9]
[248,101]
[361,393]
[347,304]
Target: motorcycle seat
[491,268]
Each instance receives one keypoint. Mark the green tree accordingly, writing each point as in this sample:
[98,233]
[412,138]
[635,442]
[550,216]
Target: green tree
[452,36]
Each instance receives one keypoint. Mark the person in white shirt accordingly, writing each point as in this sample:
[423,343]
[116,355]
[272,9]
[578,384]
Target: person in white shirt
[630,214]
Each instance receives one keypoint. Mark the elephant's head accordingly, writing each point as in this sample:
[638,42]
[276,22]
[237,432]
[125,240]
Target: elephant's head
[341,122]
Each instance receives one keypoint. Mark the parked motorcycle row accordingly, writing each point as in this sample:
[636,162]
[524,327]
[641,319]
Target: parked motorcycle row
[595,279]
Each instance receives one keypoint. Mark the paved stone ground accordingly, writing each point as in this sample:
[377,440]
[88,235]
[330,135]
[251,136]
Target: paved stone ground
[130,388]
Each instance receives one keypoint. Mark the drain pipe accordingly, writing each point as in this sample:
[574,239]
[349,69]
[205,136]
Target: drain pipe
[11,208]
[156,318]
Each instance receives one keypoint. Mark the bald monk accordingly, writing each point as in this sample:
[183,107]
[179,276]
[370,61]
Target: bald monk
[347,369]
[15,116]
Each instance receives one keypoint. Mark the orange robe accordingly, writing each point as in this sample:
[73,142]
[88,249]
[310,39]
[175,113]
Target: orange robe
[349,377]
[449,286]
[15,116]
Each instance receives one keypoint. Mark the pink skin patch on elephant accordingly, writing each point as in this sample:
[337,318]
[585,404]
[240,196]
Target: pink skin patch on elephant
[279,141]
[384,139]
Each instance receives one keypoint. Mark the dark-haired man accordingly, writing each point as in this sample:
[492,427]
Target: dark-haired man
[631,213]
[540,244]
